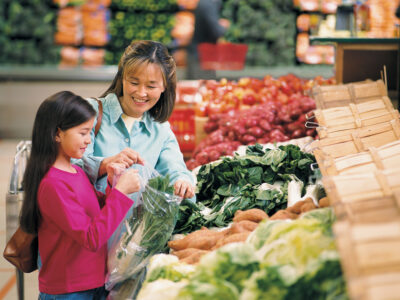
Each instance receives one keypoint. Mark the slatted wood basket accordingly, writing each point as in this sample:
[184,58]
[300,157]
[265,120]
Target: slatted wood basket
[359,140]
[342,120]
[343,94]
[366,197]
[382,158]
[370,258]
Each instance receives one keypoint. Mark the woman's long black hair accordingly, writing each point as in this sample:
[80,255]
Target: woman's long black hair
[63,111]
[140,53]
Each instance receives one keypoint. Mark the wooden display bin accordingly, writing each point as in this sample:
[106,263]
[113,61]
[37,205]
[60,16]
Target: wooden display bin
[345,119]
[359,140]
[330,96]
[381,158]
[199,129]
[365,197]
[370,258]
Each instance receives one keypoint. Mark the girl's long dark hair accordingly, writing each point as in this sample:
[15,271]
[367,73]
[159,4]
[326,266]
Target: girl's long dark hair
[63,111]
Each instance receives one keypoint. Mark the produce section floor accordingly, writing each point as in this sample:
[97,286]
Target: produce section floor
[8,285]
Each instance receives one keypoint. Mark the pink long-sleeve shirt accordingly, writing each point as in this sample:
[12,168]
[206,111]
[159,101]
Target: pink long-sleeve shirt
[74,231]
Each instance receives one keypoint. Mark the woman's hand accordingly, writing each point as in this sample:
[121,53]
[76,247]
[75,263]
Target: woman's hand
[126,157]
[184,189]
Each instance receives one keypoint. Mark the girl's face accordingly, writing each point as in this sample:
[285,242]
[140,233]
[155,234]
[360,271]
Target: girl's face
[73,142]
[142,90]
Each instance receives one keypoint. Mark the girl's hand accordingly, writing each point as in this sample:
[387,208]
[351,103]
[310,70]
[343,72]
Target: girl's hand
[184,189]
[114,171]
[128,182]
[126,157]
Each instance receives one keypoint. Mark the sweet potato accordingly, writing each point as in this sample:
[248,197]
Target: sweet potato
[324,202]
[296,208]
[242,226]
[254,215]
[200,238]
[194,258]
[232,238]
[307,207]
[283,215]
[185,252]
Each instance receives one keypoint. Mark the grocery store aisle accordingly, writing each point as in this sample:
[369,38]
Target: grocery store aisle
[8,286]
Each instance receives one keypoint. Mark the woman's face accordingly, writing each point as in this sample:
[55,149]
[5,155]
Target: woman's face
[141,90]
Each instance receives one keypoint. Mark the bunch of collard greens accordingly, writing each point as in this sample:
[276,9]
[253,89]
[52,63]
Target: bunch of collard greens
[147,231]
[258,179]
[284,260]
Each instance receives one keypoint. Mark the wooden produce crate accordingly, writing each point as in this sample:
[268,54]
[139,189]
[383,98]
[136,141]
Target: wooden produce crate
[366,197]
[359,140]
[329,96]
[345,119]
[381,158]
[370,258]
[199,129]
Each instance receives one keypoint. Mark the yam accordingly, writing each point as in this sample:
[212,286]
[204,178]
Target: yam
[296,208]
[307,207]
[283,215]
[185,252]
[324,202]
[202,235]
[232,238]
[254,215]
[242,226]
[194,258]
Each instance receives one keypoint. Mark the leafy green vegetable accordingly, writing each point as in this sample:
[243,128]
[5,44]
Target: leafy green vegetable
[147,231]
[221,274]
[189,217]
[295,243]
[322,280]
[160,289]
[167,266]
[239,182]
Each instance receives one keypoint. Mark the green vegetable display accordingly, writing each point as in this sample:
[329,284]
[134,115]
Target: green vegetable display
[26,32]
[268,27]
[281,260]
[258,179]
[139,20]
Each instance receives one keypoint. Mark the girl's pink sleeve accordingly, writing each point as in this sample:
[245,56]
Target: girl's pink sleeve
[61,205]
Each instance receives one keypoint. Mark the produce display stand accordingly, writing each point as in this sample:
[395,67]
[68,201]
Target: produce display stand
[329,96]
[361,176]
[360,139]
[345,119]
[381,158]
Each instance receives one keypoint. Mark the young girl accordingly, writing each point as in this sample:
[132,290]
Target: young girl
[72,221]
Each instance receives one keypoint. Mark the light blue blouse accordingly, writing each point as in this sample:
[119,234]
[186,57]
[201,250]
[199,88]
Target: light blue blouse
[154,141]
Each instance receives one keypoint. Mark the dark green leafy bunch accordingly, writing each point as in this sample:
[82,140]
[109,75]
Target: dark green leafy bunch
[150,227]
[189,217]
[256,167]
[238,183]
[268,27]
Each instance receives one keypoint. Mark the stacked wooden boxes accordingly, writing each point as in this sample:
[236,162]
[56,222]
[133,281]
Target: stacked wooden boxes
[359,157]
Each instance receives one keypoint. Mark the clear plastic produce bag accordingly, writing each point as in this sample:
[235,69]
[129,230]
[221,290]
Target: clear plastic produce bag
[145,231]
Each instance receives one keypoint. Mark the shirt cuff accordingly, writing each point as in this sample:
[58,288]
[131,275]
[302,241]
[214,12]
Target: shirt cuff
[91,165]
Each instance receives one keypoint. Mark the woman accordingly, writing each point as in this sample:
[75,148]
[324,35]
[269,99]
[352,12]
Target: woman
[136,108]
